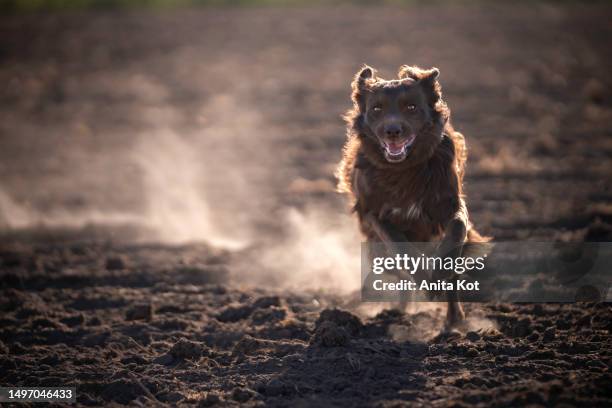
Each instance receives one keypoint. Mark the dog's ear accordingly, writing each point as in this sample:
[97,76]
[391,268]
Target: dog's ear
[426,78]
[429,82]
[366,72]
[417,73]
[360,84]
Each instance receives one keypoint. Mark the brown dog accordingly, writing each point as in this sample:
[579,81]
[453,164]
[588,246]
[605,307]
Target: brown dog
[403,165]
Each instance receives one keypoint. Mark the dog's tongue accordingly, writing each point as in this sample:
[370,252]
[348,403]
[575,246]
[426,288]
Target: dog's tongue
[395,147]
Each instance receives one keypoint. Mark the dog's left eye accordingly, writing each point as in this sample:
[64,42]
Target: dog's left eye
[410,108]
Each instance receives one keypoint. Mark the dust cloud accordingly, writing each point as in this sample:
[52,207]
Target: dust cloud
[222,180]
[17,216]
[175,208]
[317,252]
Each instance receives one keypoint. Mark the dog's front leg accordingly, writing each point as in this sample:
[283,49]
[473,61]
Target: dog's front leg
[451,245]
[391,236]
[388,234]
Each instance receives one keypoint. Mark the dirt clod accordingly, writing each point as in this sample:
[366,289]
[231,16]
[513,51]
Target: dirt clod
[140,312]
[187,349]
[235,313]
[535,336]
[267,301]
[242,394]
[122,391]
[340,318]
[211,399]
[247,345]
[329,334]
[472,336]
[269,315]
[164,359]
[115,263]
[549,334]
[97,338]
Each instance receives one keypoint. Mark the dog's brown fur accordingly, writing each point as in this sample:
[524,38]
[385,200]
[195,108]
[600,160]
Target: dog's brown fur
[419,199]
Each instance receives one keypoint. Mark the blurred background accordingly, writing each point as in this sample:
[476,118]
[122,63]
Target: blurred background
[220,121]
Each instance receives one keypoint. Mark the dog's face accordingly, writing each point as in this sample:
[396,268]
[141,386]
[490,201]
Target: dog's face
[394,113]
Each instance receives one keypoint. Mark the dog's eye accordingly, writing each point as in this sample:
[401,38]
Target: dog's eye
[411,108]
[377,108]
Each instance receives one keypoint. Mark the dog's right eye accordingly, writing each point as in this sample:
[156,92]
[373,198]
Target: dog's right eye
[377,109]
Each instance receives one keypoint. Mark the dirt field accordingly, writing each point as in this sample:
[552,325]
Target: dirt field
[126,137]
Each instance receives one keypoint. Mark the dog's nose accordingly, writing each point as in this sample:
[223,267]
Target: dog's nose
[393,130]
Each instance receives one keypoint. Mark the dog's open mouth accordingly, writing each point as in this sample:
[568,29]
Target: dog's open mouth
[397,150]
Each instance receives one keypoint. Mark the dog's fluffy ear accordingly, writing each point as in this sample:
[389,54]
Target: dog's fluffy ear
[427,78]
[366,72]
[417,73]
[360,84]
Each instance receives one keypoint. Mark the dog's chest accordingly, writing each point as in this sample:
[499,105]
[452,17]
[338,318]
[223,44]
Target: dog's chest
[395,199]
[399,214]
[408,201]
[405,213]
